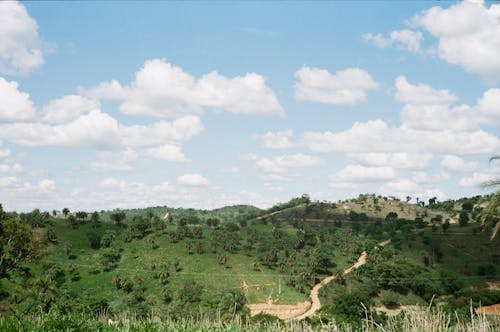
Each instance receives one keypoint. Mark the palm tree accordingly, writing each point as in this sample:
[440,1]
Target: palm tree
[491,214]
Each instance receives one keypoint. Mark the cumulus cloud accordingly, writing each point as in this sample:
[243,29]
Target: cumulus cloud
[161,132]
[11,168]
[405,39]
[348,86]
[358,173]
[20,50]
[278,140]
[98,129]
[457,164]
[377,136]
[395,160]
[14,104]
[163,90]
[427,178]
[166,152]
[46,186]
[430,109]
[95,129]
[421,93]
[68,108]
[114,161]
[195,180]
[281,164]
[488,106]
[476,179]
[468,35]
[405,187]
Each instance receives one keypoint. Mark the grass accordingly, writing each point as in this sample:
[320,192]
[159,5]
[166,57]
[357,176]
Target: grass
[416,320]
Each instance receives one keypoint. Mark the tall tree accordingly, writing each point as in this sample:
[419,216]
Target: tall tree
[490,217]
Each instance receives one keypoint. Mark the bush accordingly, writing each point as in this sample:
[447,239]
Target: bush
[390,299]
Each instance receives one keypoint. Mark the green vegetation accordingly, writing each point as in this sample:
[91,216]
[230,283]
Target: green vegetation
[182,264]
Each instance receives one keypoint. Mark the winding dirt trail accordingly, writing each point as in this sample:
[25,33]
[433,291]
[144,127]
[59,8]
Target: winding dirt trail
[304,309]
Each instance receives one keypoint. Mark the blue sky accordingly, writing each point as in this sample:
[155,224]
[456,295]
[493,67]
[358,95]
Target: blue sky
[206,104]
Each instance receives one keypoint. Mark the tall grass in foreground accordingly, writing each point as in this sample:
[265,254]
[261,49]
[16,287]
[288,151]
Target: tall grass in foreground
[421,320]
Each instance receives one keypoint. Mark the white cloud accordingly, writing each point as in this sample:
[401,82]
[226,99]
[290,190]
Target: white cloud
[429,109]
[335,183]
[440,117]
[195,180]
[164,90]
[377,136]
[457,164]
[116,193]
[476,179]
[404,39]
[166,152]
[395,160]
[20,50]
[421,93]
[358,173]
[348,86]
[232,169]
[4,152]
[98,129]
[162,132]
[278,140]
[405,187]
[427,178]
[114,161]
[7,181]
[46,186]
[281,164]
[11,168]
[68,108]
[14,104]
[468,35]
[488,106]
[95,129]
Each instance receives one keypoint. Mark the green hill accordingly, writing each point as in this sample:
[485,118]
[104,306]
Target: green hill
[185,262]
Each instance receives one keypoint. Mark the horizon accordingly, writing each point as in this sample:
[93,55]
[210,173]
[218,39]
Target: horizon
[211,104]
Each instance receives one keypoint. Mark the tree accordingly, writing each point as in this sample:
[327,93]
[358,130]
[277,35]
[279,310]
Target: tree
[118,217]
[94,217]
[445,225]
[490,216]
[468,205]
[463,219]
[18,245]
[190,292]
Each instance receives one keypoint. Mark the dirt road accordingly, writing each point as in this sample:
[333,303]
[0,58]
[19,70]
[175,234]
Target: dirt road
[304,309]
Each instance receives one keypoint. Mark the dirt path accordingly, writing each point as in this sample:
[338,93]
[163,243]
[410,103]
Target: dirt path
[304,309]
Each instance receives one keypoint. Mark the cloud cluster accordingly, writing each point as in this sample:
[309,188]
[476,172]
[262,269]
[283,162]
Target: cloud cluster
[20,50]
[405,39]
[457,164]
[468,35]
[278,140]
[194,180]
[280,165]
[161,89]
[15,105]
[348,86]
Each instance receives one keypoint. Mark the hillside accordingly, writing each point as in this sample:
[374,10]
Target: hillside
[184,262]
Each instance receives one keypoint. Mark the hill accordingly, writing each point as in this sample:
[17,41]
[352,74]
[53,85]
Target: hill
[185,262]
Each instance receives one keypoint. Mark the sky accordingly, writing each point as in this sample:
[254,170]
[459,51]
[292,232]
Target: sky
[204,104]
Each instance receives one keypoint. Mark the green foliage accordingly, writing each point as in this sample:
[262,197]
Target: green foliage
[464,218]
[190,292]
